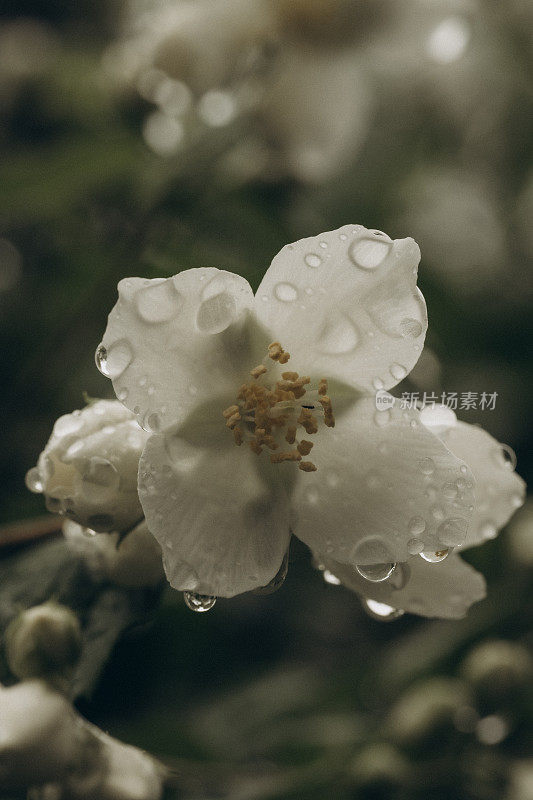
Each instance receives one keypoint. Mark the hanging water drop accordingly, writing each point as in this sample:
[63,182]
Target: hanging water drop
[376,573]
[199,602]
[34,481]
[381,611]
[330,578]
[434,556]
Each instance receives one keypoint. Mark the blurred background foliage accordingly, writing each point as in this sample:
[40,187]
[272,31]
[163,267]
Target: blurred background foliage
[125,152]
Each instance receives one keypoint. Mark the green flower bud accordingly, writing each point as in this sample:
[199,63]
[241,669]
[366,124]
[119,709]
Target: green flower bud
[43,642]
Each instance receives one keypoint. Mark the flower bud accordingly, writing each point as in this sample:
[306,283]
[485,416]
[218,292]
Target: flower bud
[43,642]
[88,469]
[134,562]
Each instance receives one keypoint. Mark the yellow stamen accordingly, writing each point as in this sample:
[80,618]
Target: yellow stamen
[257,371]
[288,455]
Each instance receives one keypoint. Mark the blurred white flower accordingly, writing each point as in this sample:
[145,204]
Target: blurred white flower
[190,355]
[88,469]
[46,745]
[281,63]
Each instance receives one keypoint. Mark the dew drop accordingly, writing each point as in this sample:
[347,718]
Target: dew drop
[312,260]
[450,490]
[381,611]
[415,546]
[368,253]
[122,395]
[434,556]
[338,336]
[452,532]
[286,292]
[438,418]
[34,481]
[464,469]
[330,578]
[158,302]
[216,313]
[199,602]
[378,384]
[410,328]
[426,466]
[398,371]
[488,530]
[376,573]
[417,525]
[114,360]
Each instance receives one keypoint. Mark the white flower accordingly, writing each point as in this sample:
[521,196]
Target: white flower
[203,363]
[88,469]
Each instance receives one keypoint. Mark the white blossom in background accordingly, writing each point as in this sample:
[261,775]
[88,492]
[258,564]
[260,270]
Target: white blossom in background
[256,59]
[45,745]
[88,469]
[264,420]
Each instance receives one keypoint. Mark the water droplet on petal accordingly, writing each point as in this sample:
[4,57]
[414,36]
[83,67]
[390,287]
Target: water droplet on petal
[378,384]
[376,573]
[368,253]
[313,260]
[199,602]
[113,361]
[338,336]
[216,313]
[434,556]
[34,481]
[158,302]
[452,532]
[488,530]
[286,292]
[411,328]
[381,611]
[438,418]
[426,466]
[330,578]
[397,371]
[417,525]
[450,490]
[415,546]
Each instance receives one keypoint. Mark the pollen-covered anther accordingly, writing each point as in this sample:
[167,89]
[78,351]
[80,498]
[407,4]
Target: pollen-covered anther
[277,353]
[233,420]
[230,411]
[256,372]
[287,455]
[307,466]
[305,447]
[329,419]
[322,386]
[290,436]
[307,421]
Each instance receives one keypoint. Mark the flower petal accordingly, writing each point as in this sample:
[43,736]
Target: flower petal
[445,590]
[499,490]
[222,525]
[385,488]
[346,306]
[171,342]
